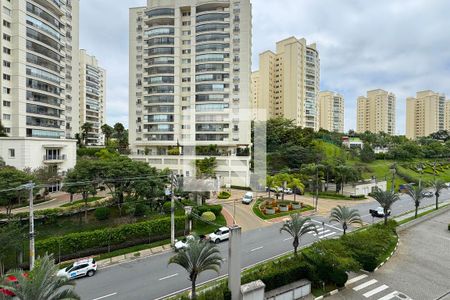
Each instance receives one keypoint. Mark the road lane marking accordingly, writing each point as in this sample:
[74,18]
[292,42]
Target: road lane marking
[376,291]
[167,277]
[256,249]
[320,232]
[365,284]
[327,235]
[389,296]
[356,279]
[331,226]
[106,296]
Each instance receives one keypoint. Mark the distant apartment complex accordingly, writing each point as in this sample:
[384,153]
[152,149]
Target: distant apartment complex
[190,65]
[331,111]
[377,112]
[92,97]
[39,82]
[425,114]
[287,83]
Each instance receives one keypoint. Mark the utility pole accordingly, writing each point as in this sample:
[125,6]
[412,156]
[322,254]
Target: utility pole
[172,208]
[30,187]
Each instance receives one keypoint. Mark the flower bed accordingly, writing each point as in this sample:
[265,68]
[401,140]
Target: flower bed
[270,208]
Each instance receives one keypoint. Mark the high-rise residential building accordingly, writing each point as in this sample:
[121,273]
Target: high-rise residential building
[377,112]
[190,65]
[425,114]
[92,97]
[289,82]
[331,111]
[447,115]
[39,81]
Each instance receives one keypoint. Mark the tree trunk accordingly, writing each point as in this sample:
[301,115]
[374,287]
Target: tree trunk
[295,244]
[437,201]
[71,197]
[85,198]
[385,217]
[295,191]
[417,210]
[194,293]
[344,226]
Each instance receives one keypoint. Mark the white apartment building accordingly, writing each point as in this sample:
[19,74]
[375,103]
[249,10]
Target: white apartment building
[331,111]
[92,97]
[287,83]
[377,112]
[39,81]
[425,114]
[190,65]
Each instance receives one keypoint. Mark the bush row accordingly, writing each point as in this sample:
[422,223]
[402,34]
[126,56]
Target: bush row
[216,209]
[224,195]
[93,242]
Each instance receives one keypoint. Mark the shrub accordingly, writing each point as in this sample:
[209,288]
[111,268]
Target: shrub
[102,213]
[208,216]
[167,207]
[140,210]
[224,195]
[216,209]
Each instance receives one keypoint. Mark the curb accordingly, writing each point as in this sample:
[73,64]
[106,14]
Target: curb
[390,256]
[333,292]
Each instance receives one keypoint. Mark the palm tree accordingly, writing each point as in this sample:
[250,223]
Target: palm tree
[416,194]
[297,227]
[199,256]
[438,185]
[270,181]
[42,283]
[107,132]
[295,185]
[85,129]
[385,199]
[345,216]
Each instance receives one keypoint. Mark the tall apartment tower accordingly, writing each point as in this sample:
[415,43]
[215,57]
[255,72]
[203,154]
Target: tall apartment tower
[331,111]
[190,65]
[376,112]
[447,115]
[92,97]
[289,82]
[425,114]
[39,81]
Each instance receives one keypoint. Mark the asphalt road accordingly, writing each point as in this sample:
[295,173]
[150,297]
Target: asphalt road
[152,278]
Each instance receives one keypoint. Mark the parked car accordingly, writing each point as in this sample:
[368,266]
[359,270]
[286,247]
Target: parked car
[184,243]
[288,191]
[80,268]
[248,198]
[378,212]
[428,194]
[220,235]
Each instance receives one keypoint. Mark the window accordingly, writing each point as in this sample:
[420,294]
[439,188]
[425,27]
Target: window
[6,77]
[186,51]
[6,103]
[6,11]
[186,23]
[12,153]
[6,91]
[6,24]
[6,50]
[6,37]
[6,117]
[6,64]
[187,42]
[186,14]
[186,32]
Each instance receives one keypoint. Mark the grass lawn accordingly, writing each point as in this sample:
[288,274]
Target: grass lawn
[260,214]
[379,169]
[92,199]
[202,228]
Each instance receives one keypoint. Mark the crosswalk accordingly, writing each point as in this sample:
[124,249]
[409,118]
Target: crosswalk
[323,233]
[371,288]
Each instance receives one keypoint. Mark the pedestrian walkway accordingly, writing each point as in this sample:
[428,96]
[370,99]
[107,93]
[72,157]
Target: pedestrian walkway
[421,210]
[362,286]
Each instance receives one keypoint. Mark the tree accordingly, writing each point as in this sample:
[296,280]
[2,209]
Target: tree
[280,180]
[416,194]
[206,168]
[386,199]
[296,185]
[121,134]
[345,216]
[297,227]
[86,128]
[438,185]
[345,174]
[11,179]
[2,130]
[270,182]
[11,236]
[42,283]
[367,154]
[107,131]
[198,257]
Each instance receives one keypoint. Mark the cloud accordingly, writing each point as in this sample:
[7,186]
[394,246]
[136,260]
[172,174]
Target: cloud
[397,45]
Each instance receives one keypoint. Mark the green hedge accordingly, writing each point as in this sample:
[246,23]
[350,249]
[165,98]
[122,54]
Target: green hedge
[216,209]
[224,195]
[94,242]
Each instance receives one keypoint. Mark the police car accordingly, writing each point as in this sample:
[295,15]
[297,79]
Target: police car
[80,268]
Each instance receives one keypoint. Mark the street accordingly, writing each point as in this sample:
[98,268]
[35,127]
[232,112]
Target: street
[152,278]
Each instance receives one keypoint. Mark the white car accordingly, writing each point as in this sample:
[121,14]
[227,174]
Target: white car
[288,191]
[221,234]
[183,244]
[80,268]
[248,198]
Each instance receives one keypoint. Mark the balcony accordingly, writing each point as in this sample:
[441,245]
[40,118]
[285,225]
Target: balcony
[52,159]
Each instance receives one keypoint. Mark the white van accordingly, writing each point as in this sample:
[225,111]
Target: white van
[248,198]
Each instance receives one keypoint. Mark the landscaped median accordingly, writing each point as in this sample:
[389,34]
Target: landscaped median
[325,263]
[267,208]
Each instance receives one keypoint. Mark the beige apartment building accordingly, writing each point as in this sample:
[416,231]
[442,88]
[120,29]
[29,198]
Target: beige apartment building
[447,115]
[190,67]
[331,111]
[39,42]
[287,83]
[377,112]
[425,114]
[92,97]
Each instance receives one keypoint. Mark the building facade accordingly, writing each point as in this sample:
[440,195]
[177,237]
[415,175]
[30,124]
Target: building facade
[425,114]
[92,98]
[190,63]
[447,115]
[331,111]
[39,76]
[377,112]
[289,82]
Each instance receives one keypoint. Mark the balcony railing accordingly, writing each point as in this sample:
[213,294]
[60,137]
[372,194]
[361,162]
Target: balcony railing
[54,157]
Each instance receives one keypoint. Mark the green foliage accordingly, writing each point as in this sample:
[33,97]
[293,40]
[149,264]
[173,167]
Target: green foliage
[102,213]
[216,209]
[210,150]
[206,168]
[224,195]
[140,209]
[92,242]
[367,154]
[88,152]
[11,237]
[11,178]
[208,216]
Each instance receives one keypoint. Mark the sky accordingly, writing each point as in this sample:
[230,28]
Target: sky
[397,45]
